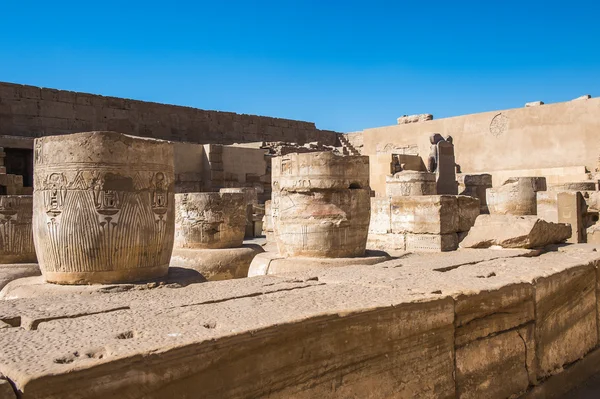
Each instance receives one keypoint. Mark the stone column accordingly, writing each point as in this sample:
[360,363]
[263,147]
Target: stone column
[251,197]
[517,196]
[323,207]
[104,209]
[210,220]
[475,186]
[408,183]
[16,236]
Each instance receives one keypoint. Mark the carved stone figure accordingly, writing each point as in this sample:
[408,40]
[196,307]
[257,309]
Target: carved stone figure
[103,207]
[209,220]
[322,207]
[432,160]
[16,236]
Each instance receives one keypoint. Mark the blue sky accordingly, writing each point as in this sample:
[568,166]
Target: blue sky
[345,65]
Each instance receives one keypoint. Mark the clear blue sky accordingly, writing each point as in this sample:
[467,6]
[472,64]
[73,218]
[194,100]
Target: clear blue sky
[346,65]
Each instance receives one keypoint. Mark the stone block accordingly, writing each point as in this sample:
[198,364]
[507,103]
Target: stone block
[546,204]
[511,231]
[387,242]
[534,104]
[380,215]
[495,367]
[428,214]
[566,318]
[571,210]
[431,242]
[468,210]
[446,169]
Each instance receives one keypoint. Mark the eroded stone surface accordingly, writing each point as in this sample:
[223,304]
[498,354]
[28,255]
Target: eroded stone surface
[16,235]
[410,183]
[430,214]
[517,196]
[210,220]
[510,231]
[9,273]
[103,207]
[217,264]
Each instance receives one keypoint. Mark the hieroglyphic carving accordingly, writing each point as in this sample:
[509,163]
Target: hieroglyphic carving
[16,236]
[499,125]
[104,219]
[210,220]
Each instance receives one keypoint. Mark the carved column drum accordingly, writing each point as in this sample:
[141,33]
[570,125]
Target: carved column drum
[210,220]
[16,236]
[321,204]
[104,209]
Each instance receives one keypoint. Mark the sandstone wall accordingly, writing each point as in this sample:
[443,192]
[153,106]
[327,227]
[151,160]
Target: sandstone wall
[561,135]
[29,111]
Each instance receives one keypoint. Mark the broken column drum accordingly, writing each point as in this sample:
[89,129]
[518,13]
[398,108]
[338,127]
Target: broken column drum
[517,196]
[16,236]
[104,209]
[322,204]
[210,220]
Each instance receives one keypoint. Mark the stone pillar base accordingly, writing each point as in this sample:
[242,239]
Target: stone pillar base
[107,277]
[270,263]
[217,264]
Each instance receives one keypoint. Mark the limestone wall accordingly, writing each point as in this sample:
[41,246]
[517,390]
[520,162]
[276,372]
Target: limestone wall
[30,111]
[561,135]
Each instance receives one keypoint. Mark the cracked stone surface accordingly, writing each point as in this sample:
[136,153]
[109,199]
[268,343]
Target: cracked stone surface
[472,323]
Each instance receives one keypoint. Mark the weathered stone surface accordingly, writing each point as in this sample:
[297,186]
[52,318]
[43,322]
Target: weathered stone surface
[274,264]
[430,242]
[216,264]
[574,186]
[414,118]
[210,220]
[200,337]
[566,318]
[103,207]
[319,170]
[475,186]
[446,169]
[16,235]
[323,223]
[468,210]
[517,196]
[571,210]
[511,231]
[268,222]
[380,222]
[495,367]
[387,241]
[12,272]
[410,183]
[6,391]
[534,104]
[251,197]
[430,214]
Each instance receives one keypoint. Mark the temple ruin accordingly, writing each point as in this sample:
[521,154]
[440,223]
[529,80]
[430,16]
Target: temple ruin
[151,251]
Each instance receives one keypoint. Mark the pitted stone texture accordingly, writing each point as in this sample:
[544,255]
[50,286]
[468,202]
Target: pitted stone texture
[209,220]
[319,170]
[410,183]
[428,214]
[16,235]
[475,186]
[16,271]
[217,264]
[321,223]
[511,231]
[274,264]
[430,242]
[380,215]
[468,211]
[517,196]
[104,209]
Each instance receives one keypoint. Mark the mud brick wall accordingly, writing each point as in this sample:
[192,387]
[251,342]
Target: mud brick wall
[29,111]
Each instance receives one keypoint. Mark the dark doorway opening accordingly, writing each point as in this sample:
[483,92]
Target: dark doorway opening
[19,161]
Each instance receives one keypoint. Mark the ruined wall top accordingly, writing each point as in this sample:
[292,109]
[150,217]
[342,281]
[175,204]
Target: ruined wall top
[30,111]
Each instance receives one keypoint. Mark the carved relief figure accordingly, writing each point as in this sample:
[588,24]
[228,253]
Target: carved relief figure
[432,160]
[54,195]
